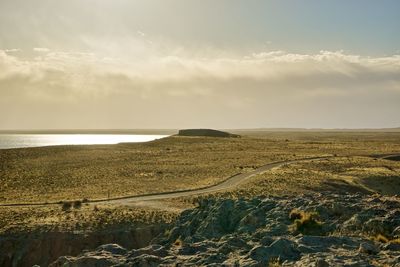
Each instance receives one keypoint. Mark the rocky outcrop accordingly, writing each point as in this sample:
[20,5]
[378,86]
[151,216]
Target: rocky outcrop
[258,232]
[205,132]
[43,247]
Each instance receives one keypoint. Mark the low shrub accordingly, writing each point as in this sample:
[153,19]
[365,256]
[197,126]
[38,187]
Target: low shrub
[295,214]
[306,222]
[77,204]
[66,205]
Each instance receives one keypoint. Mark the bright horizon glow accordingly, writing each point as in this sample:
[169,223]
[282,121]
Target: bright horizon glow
[39,140]
[124,64]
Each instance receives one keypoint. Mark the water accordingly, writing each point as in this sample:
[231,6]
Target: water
[36,140]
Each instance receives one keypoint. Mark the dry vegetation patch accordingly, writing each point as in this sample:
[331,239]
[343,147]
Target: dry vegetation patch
[338,174]
[66,173]
[305,222]
[73,174]
[86,218]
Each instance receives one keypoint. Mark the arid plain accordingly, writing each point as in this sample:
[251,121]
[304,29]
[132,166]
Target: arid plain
[70,179]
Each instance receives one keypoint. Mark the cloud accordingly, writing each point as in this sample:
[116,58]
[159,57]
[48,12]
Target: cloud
[41,49]
[237,87]
[12,50]
[269,71]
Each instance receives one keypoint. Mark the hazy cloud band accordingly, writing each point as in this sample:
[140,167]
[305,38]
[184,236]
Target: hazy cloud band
[262,89]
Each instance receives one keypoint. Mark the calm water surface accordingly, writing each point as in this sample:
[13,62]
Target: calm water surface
[35,140]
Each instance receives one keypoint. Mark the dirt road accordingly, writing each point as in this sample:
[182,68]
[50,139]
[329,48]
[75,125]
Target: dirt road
[224,185]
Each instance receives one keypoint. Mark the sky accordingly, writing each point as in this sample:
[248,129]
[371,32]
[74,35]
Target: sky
[129,64]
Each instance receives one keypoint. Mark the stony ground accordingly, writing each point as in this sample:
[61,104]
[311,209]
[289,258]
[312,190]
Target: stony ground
[306,230]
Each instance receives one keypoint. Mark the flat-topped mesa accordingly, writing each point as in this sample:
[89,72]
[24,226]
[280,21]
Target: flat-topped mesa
[205,132]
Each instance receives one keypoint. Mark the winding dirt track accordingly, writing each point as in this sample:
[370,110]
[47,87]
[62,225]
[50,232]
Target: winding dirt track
[224,185]
[227,184]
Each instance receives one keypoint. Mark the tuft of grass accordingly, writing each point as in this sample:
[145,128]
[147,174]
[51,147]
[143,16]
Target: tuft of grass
[306,222]
[395,241]
[381,238]
[178,242]
[274,262]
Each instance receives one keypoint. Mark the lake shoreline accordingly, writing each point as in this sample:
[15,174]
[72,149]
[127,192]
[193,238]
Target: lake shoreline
[15,141]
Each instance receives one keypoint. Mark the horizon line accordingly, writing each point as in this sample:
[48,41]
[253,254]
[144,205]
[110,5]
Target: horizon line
[175,129]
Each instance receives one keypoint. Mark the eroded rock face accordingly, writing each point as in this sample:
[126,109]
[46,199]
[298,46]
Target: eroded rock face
[259,231]
[44,247]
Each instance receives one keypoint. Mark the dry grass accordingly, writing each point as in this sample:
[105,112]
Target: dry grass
[305,222]
[178,242]
[341,174]
[69,173]
[383,239]
[78,172]
[75,173]
[87,218]
[274,263]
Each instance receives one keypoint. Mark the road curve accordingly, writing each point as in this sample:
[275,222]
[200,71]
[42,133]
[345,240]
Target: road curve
[226,184]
